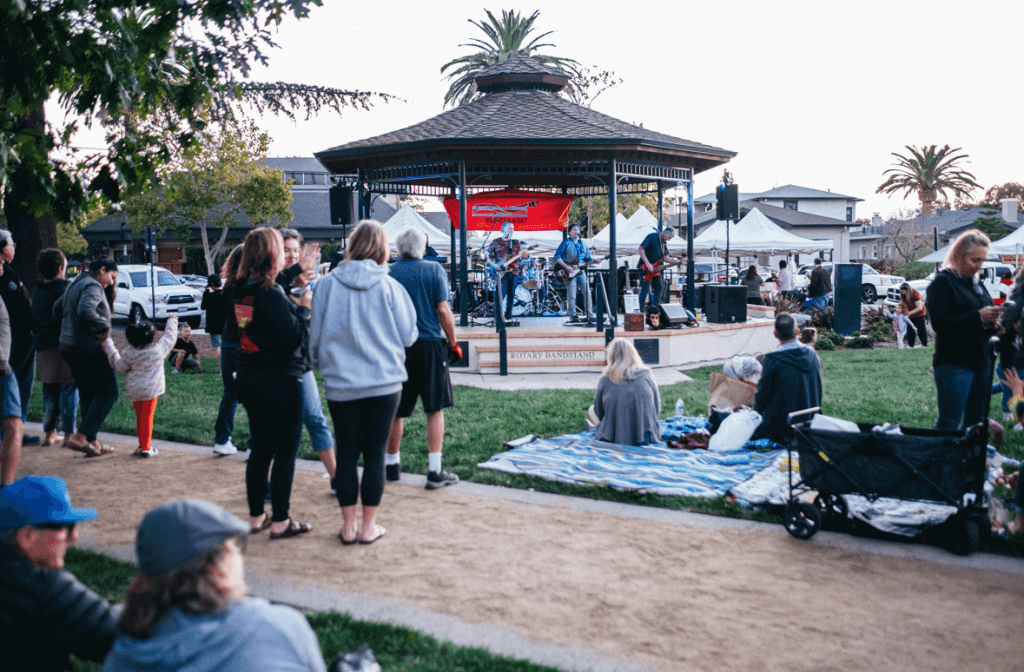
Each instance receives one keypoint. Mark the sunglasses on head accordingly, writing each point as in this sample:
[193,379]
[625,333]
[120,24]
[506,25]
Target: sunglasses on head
[69,527]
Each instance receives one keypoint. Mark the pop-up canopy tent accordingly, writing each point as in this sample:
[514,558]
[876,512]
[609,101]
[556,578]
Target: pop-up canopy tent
[407,218]
[1012,244]
[756,234]
[939,256]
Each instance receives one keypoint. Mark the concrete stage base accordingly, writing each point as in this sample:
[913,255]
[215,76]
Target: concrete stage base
[545,344]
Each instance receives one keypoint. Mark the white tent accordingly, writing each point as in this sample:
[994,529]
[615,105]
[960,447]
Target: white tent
[603,238]
[1012,244]
[756,234]
[407,218]
[939,256]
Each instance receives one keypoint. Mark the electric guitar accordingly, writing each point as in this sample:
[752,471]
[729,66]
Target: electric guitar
[565,275]
[659,266]
[499,268]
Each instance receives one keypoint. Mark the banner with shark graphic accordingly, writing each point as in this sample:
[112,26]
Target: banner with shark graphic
[528,210]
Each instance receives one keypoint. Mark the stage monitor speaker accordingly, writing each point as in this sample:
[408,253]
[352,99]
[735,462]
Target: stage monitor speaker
[846,297]
[341,205]
[726,304]
[674,315]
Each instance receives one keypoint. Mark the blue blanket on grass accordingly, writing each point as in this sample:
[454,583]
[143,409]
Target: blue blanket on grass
[655,468]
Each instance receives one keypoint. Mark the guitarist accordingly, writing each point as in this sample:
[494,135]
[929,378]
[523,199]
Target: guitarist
[569,255]
[652,251]
[501,250]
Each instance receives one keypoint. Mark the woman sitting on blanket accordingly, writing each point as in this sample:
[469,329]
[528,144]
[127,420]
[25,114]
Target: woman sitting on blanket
[627,402]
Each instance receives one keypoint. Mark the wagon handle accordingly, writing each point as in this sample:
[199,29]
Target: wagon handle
[806,411]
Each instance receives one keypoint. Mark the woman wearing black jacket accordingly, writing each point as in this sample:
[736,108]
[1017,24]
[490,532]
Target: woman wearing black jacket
[272,330]
[60,395]
[963,318]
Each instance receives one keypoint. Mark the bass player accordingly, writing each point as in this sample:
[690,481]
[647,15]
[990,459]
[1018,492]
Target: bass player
[506,253]
[653,256]
[568,257]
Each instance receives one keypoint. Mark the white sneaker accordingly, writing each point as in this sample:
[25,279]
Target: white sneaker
[1018,427]
[1007,417]
[226,448]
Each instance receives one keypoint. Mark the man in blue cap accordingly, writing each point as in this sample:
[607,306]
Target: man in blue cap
[47,616]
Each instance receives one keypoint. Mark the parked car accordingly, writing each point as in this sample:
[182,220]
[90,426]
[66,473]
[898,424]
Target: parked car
[991,277]
[194,281]
[873,283]
[135,295]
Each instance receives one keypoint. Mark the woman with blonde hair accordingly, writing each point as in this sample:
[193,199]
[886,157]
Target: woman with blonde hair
[627,401]
[363,320]
[272,329]
[963,318]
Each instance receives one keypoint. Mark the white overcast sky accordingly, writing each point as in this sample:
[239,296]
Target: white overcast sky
[816,94]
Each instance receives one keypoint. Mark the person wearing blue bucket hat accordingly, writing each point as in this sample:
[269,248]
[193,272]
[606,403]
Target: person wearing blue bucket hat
[47,617]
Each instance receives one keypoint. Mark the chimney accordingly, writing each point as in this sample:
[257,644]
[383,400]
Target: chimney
[1009,209]
[876,219]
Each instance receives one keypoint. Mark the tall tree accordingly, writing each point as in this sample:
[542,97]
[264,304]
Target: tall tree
[145,66]
[994,195]
[929,172]
[507,37]
[991,224]
[217,181]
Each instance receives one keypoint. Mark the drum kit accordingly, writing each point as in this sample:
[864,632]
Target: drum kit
[538,292]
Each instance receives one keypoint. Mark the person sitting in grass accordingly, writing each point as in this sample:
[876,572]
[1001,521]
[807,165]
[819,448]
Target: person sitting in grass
[1016,404]
[47,617]
[790,381]
[143,369]
[188,608]
[185,354]
[627,401]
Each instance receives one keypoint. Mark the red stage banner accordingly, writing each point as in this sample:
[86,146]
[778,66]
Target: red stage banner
[528,210]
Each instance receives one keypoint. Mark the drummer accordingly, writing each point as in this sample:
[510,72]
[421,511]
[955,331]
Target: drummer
[502,250]
[569,255]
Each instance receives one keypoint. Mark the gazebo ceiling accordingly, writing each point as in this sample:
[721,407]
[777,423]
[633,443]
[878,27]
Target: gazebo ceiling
[521,118]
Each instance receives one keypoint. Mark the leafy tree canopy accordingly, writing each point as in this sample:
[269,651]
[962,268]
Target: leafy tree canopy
[929,172]
[995,194]
[991,224]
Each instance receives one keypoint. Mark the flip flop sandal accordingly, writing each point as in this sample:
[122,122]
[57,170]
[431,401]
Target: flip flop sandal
[81,448]
[378,532]
[90,451]
[348,542]
[294,529]
[267,522]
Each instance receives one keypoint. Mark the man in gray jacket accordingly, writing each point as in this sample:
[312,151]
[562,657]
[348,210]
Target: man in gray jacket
[46,615]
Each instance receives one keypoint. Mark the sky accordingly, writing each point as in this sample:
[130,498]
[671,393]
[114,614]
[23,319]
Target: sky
[817,94]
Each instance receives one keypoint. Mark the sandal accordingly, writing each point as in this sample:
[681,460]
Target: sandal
[267,522]
[92,451]
[348,541]
[294,529]
[378,532]
[80,447]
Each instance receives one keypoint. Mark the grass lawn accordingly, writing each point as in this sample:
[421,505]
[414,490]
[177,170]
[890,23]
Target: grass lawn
[394,648]
[860,385]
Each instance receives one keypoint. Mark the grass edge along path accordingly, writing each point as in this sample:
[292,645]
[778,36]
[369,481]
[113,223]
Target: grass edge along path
[395,648]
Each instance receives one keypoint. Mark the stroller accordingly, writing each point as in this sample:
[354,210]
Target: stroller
[919,464]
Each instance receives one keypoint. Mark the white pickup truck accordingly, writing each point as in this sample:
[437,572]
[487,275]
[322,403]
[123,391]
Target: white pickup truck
[873,283]
[135,296]
[991,277]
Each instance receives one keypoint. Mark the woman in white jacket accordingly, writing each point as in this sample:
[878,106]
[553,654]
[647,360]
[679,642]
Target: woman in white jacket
[362,322]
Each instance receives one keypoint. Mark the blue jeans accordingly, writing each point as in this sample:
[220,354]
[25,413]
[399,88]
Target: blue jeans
[26,375]
[575,286]
[313,415]
[962,396]
[60,404]
[654,288]
[508,290]
[817,302]
[225,425]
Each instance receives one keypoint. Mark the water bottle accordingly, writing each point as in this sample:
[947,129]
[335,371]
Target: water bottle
[679,408]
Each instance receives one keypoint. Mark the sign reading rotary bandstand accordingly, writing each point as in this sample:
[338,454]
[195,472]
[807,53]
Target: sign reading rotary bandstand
[528,210]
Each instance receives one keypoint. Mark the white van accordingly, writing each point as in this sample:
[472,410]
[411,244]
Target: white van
[135,294]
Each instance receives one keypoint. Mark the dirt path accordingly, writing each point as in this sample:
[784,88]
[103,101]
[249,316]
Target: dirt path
[677,597]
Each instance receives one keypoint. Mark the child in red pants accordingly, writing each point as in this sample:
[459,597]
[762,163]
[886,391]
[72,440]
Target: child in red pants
[143,367]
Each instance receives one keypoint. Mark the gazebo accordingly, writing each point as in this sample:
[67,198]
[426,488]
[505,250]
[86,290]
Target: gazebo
[520,133]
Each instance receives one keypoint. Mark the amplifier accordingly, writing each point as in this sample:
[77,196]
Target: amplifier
[726,303]
[674,315]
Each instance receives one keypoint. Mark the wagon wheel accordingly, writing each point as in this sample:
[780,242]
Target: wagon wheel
[833,509]
[802,520]
[962,536]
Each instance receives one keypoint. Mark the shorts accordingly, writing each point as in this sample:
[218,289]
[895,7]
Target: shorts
[426,363]
[10,397]
[214,340]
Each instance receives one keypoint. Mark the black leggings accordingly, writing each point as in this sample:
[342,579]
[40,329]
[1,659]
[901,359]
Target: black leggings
[922,331]
[97,389]
[362,427]
[273,402]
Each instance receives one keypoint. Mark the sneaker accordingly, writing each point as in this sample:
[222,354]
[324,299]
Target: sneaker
[139,452]
[175,370]
[226,448]
[1018,427]
[437,480]
[1007,416]
[393,471]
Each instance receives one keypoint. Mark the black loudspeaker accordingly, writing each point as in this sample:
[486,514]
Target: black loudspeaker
[847,297]
[728,202]
[701,293]
[341,205]
[726,303]
[674,315]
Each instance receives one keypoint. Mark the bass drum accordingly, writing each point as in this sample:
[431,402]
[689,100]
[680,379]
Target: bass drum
[531,274]
[523,303]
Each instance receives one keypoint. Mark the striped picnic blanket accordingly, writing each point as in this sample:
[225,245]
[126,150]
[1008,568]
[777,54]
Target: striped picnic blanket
[655,468]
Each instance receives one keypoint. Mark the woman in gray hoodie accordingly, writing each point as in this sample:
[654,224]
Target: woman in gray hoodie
[362,322]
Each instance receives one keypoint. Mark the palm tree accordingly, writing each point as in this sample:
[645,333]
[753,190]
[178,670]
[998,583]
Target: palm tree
[930,172]
[505,38]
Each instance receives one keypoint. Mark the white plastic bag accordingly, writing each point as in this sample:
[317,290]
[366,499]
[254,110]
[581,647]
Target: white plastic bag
[736,429]
[830,424]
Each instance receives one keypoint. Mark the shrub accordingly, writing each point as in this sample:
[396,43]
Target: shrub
[823,318]
[787,304]
[860,343]
[881,332]
[872,315]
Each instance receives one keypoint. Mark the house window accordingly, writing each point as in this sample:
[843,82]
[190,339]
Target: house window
[863,251]
[849,213]
[789,205]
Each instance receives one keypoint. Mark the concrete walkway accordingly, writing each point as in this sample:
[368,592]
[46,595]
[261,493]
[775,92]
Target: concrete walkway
[561,380]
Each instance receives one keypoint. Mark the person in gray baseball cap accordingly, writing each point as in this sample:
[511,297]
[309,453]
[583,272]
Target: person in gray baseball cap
[47,617]
[188,609]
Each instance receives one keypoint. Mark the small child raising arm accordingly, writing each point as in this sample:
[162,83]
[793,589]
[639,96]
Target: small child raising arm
[143,369]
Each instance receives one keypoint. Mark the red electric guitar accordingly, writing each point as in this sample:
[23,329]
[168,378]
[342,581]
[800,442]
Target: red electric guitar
[659,266]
